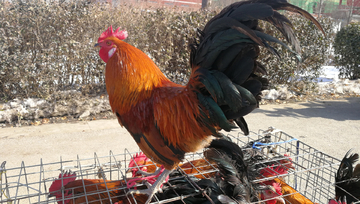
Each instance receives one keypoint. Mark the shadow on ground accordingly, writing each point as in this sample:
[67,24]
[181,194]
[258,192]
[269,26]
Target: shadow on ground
[341,110]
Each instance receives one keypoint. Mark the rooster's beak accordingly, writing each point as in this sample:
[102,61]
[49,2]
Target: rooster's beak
[278,198]
[281,200]
[97,45]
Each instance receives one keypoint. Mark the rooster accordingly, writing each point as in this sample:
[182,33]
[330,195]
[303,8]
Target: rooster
[289,194]
[273,194]
[276,193]
[67,190]
[347,179]
[145,166]
[167,119]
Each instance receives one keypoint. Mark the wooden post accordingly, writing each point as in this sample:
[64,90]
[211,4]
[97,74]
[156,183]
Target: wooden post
[351,9]
[204,4]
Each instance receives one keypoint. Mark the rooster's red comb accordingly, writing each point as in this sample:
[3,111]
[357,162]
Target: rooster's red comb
[271,171]
[277,187]
[333,201]
[138,157]
[66,178]
[120,34]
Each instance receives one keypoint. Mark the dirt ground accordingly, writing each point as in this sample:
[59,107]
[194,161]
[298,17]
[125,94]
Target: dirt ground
[330,126]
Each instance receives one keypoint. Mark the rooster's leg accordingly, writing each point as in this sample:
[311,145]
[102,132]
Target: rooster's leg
[152,189]
[149,177]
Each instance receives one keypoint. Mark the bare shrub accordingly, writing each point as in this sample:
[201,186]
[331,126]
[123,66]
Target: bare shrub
[46,47]
[315,51]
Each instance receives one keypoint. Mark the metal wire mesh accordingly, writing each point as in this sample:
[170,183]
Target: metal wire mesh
[312,174]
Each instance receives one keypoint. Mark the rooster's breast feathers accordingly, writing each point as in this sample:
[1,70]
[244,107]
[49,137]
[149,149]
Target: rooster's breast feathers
[166,123]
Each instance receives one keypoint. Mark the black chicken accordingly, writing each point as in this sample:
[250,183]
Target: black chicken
[348,179]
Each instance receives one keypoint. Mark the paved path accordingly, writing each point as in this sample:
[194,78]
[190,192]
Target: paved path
[329,126]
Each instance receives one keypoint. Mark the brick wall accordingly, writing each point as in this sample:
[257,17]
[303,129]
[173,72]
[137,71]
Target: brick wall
[178,4]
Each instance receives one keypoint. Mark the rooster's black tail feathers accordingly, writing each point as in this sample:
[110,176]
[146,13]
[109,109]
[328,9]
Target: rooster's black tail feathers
[224,56]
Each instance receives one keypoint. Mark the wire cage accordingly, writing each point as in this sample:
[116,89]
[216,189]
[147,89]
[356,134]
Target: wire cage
[312,174]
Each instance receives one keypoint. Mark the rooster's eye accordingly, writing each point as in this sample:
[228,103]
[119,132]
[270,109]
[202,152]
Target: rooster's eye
[108,43]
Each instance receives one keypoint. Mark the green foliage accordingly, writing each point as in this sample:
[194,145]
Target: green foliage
[347,51]
[45,48]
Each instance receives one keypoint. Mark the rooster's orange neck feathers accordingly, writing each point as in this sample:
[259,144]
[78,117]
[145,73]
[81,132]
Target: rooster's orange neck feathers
[130,76]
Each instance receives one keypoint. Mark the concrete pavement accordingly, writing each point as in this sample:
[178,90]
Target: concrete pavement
[330,126]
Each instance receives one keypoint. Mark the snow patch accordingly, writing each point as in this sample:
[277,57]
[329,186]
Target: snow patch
[72,103]
[66,103]
[328,83]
